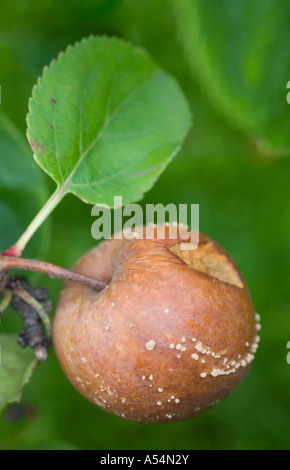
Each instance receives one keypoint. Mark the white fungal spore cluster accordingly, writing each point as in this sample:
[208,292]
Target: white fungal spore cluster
[227,366]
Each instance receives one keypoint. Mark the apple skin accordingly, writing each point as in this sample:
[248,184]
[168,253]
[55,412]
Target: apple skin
[162,342]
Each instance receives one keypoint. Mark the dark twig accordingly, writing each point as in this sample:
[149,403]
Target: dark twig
[36,305]
[33,305]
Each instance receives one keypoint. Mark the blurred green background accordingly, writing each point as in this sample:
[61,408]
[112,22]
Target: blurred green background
[235,164]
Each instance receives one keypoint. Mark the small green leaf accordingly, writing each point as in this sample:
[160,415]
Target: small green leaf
[16,367]
[238,50]
[104,120]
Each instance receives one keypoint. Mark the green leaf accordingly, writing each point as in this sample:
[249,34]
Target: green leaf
[22,189]
[239,52]
[16,367]
[104,120]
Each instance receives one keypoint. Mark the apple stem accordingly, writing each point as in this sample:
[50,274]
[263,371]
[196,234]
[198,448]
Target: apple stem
[10,262]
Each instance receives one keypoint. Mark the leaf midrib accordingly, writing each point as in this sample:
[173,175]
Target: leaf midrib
[66,183]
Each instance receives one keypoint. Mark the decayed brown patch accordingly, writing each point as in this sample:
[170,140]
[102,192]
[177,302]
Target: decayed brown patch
[208,260]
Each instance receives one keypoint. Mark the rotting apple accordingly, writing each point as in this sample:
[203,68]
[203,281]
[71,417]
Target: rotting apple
[173,332]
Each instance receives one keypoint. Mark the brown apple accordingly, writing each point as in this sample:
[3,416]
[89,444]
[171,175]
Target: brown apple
[173,332]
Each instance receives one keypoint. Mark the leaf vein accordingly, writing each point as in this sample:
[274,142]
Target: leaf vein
[110,118]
